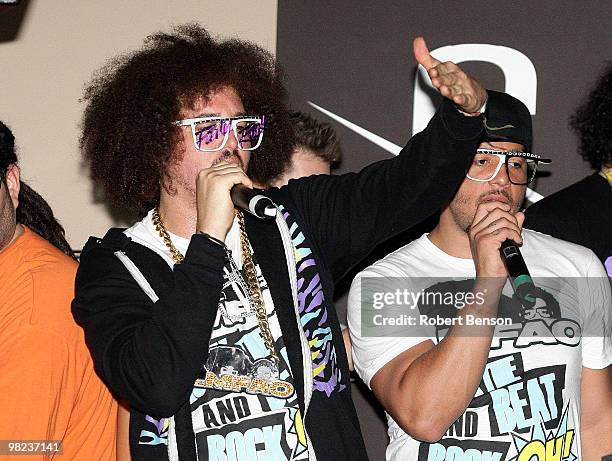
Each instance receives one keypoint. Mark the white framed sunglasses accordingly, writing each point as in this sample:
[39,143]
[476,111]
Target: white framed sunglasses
[210,134]
[521,166]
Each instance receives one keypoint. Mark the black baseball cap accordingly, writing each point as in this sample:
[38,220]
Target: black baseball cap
[508,119]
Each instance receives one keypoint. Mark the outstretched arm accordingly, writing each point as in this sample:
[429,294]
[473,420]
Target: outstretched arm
[348,215]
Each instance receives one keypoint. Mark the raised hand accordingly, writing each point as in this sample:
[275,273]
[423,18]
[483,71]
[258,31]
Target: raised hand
[450,80]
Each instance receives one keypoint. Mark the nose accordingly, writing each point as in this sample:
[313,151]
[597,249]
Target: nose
[232,142]
[501,178]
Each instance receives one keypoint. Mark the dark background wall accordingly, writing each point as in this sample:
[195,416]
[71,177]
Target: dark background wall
[355,60]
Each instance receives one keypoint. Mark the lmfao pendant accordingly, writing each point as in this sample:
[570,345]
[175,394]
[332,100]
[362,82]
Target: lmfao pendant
[242,383]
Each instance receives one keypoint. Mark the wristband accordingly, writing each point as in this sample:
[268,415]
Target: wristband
[477,113]
[211,238]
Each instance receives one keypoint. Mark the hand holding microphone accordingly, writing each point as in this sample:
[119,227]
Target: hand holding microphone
[493,224]
[218,190]
[495,237]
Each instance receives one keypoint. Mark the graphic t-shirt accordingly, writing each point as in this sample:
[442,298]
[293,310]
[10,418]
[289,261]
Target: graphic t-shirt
[529,395]
[243,405]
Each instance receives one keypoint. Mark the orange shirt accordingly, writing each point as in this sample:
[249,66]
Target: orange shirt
[48,387]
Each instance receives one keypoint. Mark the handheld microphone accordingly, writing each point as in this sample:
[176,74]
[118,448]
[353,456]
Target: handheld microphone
[252,201]
[519,274]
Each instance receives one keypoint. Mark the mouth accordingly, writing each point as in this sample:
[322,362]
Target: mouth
[229,157]
[496,197]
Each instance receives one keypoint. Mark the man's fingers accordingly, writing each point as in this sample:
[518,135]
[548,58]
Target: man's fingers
[422,55]
[503,233]
[494,220]
[443,73]
[221,165]
[468,99]
[460,100]
[520,218]
[497,231]
[226,169]
[494,226]
[448,67]
[487,207]
[445,91]
[448,80]
[451,83]
[247,181]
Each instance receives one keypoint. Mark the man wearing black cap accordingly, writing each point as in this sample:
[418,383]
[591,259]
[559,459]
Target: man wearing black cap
[464,370]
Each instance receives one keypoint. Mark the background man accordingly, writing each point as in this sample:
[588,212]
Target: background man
[48,387]
[316,151]
[581,212]
[185,311]
[522,391]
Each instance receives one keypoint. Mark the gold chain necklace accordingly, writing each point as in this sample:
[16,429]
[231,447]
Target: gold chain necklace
[252,283]
[163,233]
[254,288]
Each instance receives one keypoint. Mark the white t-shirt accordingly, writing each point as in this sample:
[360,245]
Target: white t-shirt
[262,419]
[531,385]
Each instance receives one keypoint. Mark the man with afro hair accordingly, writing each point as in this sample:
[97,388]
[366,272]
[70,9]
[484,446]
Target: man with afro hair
[168,130]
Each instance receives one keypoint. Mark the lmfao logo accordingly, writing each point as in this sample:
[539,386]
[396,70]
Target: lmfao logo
[560,331]
[539,447]
[237,383]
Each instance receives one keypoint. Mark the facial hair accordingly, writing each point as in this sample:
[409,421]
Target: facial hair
[227,154]
[463,212]
[179,181]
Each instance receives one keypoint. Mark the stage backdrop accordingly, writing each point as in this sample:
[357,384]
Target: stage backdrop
[50,49]
[351,63]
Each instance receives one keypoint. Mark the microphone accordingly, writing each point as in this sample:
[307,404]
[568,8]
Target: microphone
[519,274]
[252,201]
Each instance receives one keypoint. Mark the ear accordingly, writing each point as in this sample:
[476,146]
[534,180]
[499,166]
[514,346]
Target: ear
[13,178]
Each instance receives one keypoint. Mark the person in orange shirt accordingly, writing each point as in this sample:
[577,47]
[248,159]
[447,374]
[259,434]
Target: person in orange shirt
[49,390]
